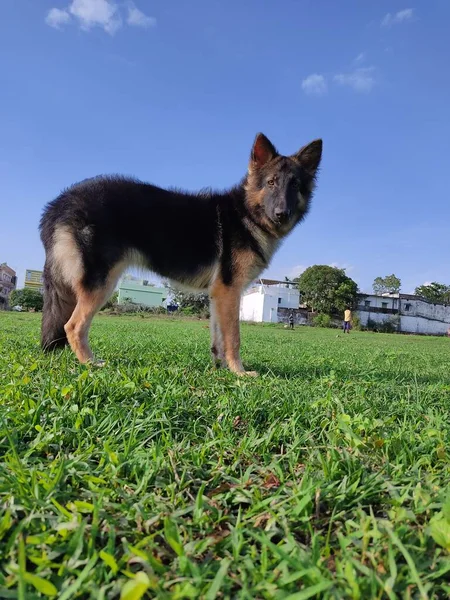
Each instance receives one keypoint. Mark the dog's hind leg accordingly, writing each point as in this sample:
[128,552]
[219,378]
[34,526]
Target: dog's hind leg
[89,302]
[77,327]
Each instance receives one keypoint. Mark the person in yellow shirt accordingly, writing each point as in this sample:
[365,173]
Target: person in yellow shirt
[347,320]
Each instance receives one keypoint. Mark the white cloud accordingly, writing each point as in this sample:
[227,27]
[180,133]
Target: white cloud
[315,85]
[360,58]
[100,13]
[361,79]
[399,17]
[57,17]
[295,271]
[138,18]
[348,268]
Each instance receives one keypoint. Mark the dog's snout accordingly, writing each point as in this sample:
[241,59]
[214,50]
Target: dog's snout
[281,214]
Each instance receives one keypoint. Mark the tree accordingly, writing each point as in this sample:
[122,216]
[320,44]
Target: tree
[195,303]
[327,289]
[386,285]
[26,298]
[435,292]
[112,302]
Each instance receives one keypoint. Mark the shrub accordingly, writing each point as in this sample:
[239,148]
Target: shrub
[356,323]
[389,326]
[322,320]
[27,298]
[112,302]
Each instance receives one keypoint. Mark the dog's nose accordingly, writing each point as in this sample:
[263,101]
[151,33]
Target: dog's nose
[281,214]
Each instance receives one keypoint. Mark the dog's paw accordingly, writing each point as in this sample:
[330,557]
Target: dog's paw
[97,362]
[247,374]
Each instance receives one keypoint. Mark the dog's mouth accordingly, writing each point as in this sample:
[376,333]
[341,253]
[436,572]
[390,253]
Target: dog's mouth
[281,221]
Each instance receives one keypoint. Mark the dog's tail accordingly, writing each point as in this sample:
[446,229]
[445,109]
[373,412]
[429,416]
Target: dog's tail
[59,303]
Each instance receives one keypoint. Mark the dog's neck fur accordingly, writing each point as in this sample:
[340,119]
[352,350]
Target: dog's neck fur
[235,200]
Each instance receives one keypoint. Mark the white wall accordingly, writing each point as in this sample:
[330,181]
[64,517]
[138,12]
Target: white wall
[419,308]
[260,303]
[270,312]
[421,325]
[421,317]
[364,317]
[378,301]
[252,306]
[289,298]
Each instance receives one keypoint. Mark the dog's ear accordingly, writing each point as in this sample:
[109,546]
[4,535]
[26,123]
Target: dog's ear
[309,156]
[263,150]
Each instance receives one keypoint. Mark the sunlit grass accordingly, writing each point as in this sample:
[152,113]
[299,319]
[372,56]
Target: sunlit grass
[158,477]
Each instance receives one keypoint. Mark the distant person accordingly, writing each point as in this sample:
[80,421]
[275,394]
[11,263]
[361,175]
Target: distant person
[291,320]
[347,320]
[448,332]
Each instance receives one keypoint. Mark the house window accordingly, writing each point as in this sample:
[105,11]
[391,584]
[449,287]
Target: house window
[367,303]
[407,306]
[279,300]
[384,305]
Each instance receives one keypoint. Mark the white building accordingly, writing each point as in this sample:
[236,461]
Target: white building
[270,301]
[409,314]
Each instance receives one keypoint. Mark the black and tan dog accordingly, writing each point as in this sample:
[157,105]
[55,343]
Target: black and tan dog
[207,241]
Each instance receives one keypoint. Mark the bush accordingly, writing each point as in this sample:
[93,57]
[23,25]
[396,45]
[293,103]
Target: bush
[389,326]
[129,308]
[322,320]
[371,325]
[356,323]
[27,298]
[112,302]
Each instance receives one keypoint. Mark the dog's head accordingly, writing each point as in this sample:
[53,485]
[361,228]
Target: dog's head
[279,188]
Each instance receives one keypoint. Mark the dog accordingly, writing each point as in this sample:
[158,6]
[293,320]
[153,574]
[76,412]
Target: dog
[217,242]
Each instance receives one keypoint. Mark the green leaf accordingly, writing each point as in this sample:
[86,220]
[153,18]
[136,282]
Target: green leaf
[42,585]
[136,588]
[218,579]
[446,508]
[440,531]
[109,560]
[83,507]
[172,536]
[310,592]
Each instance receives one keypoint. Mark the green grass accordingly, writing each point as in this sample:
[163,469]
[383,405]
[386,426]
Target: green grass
[158,477]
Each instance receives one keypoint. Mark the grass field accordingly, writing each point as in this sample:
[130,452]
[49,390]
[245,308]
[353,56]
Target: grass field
[158,477]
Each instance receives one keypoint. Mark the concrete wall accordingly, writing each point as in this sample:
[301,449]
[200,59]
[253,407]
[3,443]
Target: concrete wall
[376,317]
[252,307]
[261,302]
[378,302]
[300,315]
[420,308]
[8,281]
[423,326]
[289,298]
[141,294]
[270,310]
[416,315]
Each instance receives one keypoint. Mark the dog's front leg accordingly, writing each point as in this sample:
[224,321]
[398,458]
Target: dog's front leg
[226,300]
[217,349]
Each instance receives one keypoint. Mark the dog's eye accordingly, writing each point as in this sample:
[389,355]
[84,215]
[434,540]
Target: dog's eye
[271,182]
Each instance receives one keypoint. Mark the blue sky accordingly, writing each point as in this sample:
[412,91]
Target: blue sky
[174,93]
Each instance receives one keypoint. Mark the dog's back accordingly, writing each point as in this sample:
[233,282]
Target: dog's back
[97,228]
